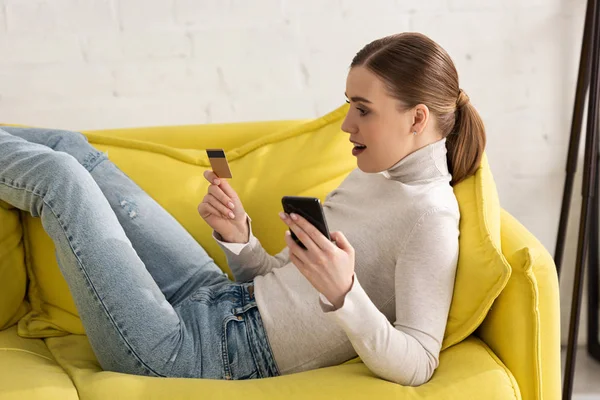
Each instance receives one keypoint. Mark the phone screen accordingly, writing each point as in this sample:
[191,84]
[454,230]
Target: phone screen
[309,208]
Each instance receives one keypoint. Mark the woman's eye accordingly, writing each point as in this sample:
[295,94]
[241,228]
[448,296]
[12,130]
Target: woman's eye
[362,111]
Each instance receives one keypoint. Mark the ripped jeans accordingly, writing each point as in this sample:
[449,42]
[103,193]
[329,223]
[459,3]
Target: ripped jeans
[152,301]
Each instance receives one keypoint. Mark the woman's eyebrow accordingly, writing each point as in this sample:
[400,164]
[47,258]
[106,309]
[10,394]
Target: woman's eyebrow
[358,98]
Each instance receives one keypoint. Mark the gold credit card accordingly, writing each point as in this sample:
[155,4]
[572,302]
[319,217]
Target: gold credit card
[219,163]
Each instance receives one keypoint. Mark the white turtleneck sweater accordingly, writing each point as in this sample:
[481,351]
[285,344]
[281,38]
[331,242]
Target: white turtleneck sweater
[403,224]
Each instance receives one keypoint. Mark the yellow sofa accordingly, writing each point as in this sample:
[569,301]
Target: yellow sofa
[508,351]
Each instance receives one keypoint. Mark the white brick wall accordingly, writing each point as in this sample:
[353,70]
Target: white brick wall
[60,15]
[19,49]
[114,63]
[146,46]
[2,18]
[212,14]
[140,15]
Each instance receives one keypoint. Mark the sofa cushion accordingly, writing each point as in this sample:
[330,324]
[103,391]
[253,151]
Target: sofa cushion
[13,277]
[308,159]
[468,370]
[28,370]
[482,270]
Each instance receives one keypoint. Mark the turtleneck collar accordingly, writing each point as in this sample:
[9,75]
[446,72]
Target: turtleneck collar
[426,163]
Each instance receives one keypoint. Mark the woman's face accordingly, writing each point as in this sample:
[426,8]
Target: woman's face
[377,120]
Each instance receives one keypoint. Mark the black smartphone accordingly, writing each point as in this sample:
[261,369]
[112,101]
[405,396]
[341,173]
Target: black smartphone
[309,208]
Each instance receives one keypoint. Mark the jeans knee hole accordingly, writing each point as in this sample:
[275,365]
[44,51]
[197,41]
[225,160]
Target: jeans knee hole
[129,207]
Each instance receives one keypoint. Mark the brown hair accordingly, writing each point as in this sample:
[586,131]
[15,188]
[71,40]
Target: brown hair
[416,70]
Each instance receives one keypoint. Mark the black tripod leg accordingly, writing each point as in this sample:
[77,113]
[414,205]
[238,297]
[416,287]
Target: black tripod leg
[589,181]
[583,81]
[593,345]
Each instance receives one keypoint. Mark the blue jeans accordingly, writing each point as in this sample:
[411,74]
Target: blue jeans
[150,298]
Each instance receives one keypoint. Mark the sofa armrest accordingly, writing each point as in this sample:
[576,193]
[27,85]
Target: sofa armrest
[523,325]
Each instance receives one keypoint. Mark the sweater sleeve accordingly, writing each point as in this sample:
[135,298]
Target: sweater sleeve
[248,260]
[407,351]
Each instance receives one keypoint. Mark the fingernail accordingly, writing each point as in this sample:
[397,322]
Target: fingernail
[287,233]
[282,215]
[231,205]
[232,215]
[216,181]
[294,216]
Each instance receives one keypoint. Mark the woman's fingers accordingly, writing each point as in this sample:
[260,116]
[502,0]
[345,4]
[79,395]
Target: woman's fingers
[221,196]
[206,209]
[308,230]
[227,189]
[296,250]
[216,204]
[210,176]
[342,242]
[302,235]
[298,263]
[221,189]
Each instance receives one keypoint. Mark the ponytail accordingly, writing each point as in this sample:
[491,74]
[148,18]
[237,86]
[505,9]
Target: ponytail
[466,143]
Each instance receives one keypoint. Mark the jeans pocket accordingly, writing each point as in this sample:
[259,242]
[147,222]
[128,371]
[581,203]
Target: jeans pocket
[238,358]
[212,295]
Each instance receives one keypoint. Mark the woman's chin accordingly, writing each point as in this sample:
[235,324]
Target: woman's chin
[366,168]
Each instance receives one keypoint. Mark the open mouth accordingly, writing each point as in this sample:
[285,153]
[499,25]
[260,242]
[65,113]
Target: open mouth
[358,148]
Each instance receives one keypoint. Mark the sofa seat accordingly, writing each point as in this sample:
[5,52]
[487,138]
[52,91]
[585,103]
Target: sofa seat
[468,370]
[29,371]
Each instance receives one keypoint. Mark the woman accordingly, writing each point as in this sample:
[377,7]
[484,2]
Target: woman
[154,303]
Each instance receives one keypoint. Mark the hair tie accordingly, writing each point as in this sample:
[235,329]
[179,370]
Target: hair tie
[462,99]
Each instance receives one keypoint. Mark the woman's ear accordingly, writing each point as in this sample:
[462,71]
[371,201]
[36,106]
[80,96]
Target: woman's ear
[420,118]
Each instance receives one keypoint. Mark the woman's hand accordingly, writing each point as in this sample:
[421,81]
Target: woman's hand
[328,266]
[222,209]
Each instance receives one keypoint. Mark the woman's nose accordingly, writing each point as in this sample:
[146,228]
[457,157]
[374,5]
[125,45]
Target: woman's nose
[348,126]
